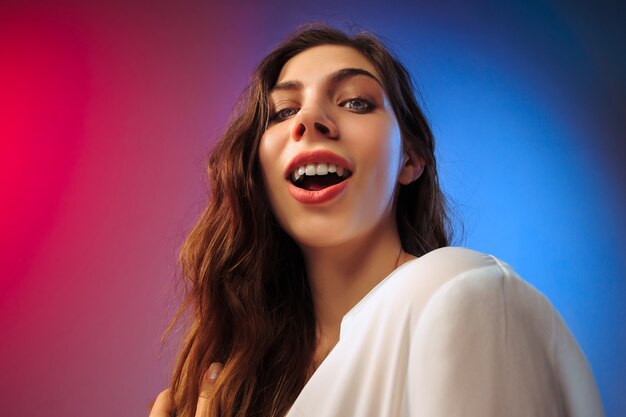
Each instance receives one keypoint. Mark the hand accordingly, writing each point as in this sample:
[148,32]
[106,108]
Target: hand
[162,407]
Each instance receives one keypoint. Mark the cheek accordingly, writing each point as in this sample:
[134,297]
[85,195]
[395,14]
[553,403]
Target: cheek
[265,152]
[269,154]
[381,148]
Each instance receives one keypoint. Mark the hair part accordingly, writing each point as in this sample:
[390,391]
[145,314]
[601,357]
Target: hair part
[246,286]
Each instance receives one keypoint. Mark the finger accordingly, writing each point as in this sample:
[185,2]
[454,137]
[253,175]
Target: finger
[161,407]
[206,387]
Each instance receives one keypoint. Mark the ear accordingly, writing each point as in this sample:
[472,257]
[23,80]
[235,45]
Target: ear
[412,167]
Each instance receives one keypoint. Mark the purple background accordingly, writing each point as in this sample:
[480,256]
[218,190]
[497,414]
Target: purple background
[108,109]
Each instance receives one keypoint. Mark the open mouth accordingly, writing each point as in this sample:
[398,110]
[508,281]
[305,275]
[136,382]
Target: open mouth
[315,177]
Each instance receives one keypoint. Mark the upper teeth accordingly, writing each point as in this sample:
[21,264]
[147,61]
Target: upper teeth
[322,168]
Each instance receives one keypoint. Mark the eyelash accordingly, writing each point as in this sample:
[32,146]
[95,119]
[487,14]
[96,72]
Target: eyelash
[369,106]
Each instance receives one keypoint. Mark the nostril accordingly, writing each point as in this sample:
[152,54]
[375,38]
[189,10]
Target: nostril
[300,129]
[323,129]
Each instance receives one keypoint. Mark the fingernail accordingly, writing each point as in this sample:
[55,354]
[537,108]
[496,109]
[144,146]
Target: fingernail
[214,370]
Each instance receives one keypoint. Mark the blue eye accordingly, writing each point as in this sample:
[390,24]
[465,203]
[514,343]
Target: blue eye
[283,114]
[359,105]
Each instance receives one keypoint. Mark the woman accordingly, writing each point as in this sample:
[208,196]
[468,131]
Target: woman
[320,277]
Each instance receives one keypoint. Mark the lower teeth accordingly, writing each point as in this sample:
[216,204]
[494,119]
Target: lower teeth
[316,183]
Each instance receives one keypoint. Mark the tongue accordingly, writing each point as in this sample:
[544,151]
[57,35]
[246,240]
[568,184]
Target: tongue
[319,182]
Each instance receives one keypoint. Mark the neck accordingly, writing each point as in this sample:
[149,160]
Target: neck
[340,276]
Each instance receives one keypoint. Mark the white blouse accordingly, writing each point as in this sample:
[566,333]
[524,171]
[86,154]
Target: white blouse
[452,333]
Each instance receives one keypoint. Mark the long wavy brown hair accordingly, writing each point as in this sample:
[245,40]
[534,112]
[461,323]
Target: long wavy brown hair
[247,293]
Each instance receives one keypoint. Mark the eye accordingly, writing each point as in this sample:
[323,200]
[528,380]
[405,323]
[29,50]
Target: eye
[359,105]
[283,114]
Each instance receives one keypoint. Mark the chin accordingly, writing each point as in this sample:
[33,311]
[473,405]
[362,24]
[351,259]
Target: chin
[318,234]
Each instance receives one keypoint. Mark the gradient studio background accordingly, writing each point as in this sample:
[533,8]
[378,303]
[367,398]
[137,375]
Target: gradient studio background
[107,111]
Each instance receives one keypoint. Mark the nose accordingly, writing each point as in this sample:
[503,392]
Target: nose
[313,122]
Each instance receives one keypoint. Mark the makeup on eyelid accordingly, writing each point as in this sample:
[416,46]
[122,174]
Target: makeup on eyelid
[368,104]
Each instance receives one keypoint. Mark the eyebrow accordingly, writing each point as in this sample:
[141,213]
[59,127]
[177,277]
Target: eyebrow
[334,78]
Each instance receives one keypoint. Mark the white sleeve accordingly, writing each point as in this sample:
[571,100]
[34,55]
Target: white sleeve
[487,344]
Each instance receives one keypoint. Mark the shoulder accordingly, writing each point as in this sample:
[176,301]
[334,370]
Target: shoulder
[459,282]
[488,339]
[485,283]
[447,265]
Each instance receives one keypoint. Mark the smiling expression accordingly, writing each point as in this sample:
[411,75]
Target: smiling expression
[331,156]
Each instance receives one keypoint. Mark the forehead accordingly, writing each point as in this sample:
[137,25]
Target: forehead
[314,64]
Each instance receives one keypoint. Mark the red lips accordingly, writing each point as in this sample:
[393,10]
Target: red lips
[317,197]
[311,157]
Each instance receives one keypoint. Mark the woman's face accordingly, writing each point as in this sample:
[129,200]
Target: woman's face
[331,156]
